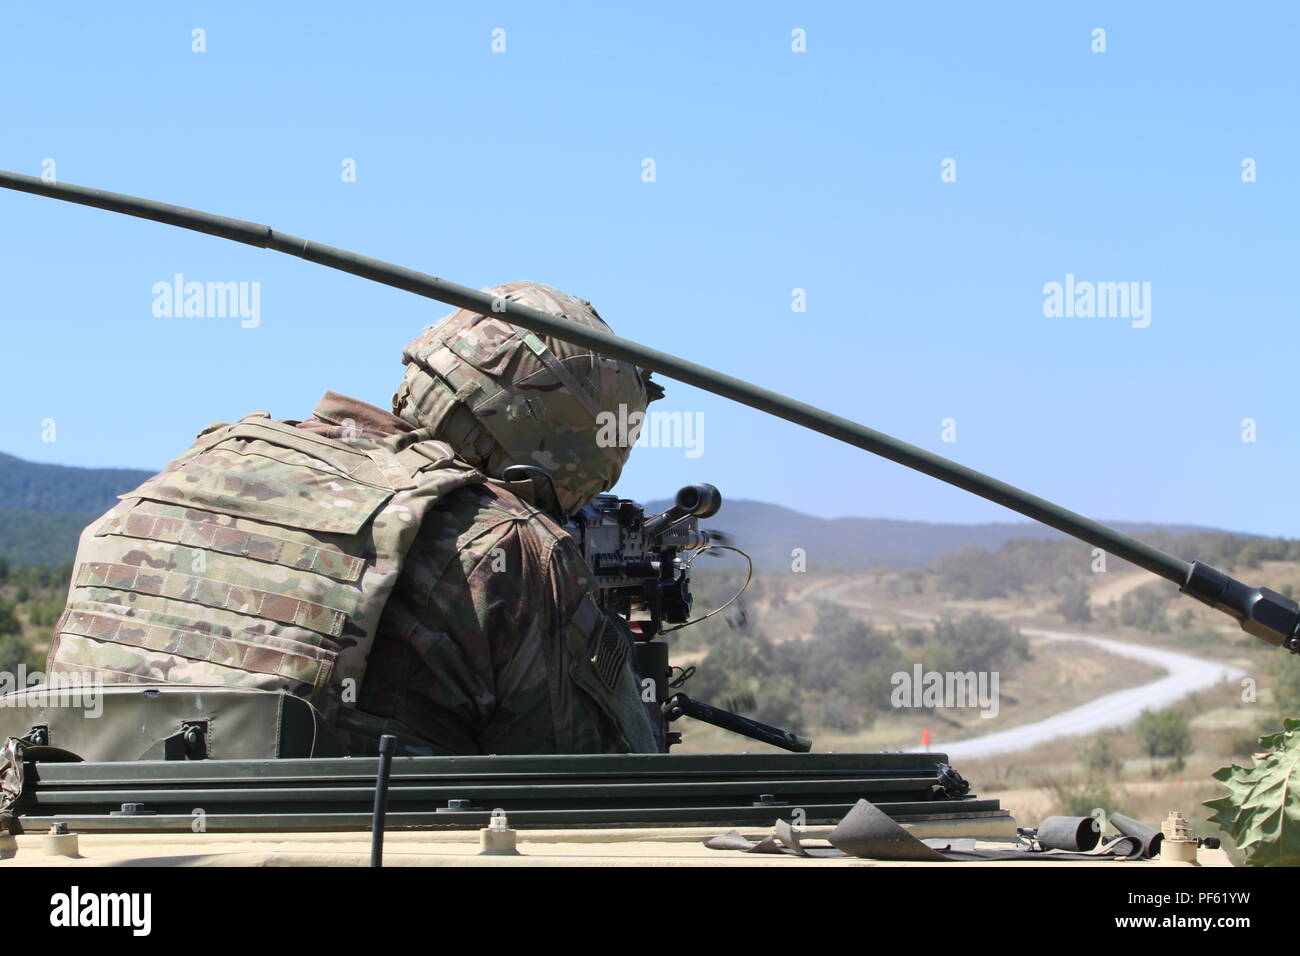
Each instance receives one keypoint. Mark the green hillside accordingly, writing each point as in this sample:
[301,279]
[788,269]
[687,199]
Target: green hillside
[32,486]
[49,538]
[771,533]
[44,507]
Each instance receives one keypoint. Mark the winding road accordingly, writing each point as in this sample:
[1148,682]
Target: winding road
[1184,675]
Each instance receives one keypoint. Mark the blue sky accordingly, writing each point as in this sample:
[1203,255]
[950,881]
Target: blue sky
[775,170]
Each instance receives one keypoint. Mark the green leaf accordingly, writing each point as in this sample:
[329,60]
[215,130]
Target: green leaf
[1261,812]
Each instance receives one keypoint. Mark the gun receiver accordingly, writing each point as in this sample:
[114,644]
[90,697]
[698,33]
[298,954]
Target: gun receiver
[642,567]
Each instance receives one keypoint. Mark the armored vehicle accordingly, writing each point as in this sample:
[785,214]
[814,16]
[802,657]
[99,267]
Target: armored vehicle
[184,773]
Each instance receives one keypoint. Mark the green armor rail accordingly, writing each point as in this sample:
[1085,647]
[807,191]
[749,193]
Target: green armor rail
[544,791]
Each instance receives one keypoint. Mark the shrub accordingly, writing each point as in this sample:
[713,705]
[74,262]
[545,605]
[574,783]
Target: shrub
[1100,757]
[1075,603]
[1165,733]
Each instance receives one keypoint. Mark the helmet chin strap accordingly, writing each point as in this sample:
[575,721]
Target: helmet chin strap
[541,488]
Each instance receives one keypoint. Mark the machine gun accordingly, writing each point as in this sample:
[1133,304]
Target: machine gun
[642,566]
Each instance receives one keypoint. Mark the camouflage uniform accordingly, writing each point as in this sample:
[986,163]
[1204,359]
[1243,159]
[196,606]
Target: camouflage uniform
[483,645]
[388,551]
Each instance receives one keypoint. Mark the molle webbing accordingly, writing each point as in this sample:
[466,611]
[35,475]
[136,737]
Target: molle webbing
[263,556]
[297,663]
[273,549]
[547,358]
[211,592]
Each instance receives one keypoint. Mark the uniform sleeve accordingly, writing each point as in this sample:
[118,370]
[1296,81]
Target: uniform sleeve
[503,629]
[500,610]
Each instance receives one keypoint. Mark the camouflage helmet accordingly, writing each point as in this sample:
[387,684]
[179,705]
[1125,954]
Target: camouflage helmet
[501,395]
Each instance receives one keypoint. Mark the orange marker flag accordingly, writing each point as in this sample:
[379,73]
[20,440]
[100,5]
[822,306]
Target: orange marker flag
[925,738]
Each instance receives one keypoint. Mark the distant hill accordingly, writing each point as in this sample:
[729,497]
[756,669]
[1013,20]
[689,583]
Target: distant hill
[43,509]
[770,532]
[40,537]
[35,487]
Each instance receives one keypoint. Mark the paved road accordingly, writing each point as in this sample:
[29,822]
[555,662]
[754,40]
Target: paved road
[1184,675]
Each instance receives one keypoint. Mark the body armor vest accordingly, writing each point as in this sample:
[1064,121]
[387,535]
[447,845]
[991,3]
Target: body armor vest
[261,557]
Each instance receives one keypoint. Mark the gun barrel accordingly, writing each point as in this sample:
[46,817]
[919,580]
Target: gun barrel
[800,413]
[699,501]
[679,705]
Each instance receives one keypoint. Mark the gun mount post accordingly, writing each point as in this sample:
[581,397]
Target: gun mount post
[387,747]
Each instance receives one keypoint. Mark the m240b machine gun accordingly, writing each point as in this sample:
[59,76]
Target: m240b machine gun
[642,566]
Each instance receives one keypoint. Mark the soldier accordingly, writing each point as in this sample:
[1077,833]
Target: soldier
[389,567]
